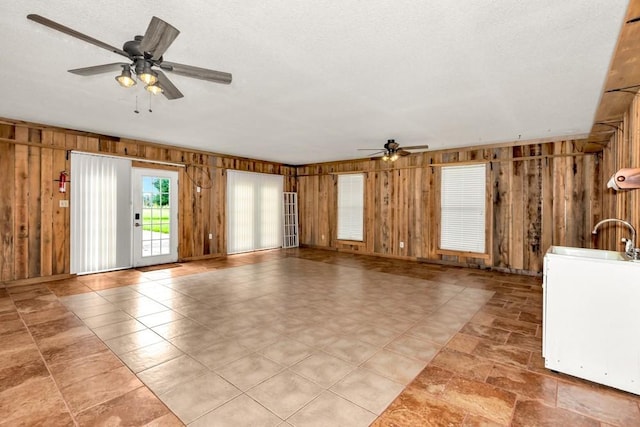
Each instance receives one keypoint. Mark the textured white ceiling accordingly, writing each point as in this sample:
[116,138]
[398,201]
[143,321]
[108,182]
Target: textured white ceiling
[315,81]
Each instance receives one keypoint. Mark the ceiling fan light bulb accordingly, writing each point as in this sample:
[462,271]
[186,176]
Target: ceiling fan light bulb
[385,158]
[394,157]
[154,89]
[148,78]
[125,79]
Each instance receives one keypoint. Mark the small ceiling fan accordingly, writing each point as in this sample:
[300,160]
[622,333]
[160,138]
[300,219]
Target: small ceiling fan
[145,58]
[392,150]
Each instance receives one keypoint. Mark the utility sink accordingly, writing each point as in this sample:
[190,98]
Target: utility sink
[588,253]
[589,310]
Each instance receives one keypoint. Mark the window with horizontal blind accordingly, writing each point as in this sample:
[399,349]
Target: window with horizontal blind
[351,207]
[462,208]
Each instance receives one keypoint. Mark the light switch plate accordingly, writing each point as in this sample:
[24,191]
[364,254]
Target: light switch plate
[64,203]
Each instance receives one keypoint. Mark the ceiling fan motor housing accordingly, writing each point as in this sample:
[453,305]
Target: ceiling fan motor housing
[132,47]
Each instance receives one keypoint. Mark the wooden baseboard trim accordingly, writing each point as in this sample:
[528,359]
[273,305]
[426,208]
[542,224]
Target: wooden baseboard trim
[36,280]
[202,257]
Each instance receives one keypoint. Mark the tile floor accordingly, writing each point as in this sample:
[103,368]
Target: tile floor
[295,337]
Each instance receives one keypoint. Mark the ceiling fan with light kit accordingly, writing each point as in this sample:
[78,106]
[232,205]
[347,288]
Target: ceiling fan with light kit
[145,58]
[392,150]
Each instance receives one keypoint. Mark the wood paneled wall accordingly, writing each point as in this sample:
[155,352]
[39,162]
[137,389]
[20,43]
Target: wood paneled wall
[35,230]
[622,151]
[540,194]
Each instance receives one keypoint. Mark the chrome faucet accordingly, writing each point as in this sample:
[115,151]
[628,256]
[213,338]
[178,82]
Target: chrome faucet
[629,244]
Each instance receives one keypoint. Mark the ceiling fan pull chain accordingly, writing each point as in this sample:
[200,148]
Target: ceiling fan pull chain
[136,110]
[150,110]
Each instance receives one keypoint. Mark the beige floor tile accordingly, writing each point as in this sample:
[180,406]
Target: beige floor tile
[194,398]
[118,294]
[285,393]
[375,336]
[147,357]
[255,339]
[414,348]
[192,342]
[141,306]
[350,350]
[239,412]
[440,334]
[133,341]
[368,390]
[329,409]
[323,369]
[156,292]
[394,366]
[221,353]
[164,377]
[94,310]
[250,370]
[315,336]
[160,318]
[176,327]
[82,300]
[106,319]
[286,351]
[119,329]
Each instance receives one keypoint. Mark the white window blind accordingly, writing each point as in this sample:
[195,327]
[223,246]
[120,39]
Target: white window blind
[100,213]
[351,207]
[254,211]
[463,205]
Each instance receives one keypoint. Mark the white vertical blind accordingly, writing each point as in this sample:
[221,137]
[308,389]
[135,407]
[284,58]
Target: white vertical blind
[351,207]
[463,205]
[100,213]
[254,211]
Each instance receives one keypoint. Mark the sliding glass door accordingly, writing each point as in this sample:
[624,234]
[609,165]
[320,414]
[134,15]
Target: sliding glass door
[254,211]
[100,213]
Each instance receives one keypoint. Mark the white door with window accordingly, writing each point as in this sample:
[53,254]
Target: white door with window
[155,216]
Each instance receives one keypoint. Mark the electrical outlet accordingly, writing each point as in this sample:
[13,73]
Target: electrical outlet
[198,189]
[401,245]
[64,203]
[323,237]
[210,236]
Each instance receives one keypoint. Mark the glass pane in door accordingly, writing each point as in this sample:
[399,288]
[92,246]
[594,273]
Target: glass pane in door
[156,217]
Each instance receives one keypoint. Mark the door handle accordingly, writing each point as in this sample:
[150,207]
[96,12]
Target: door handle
[137,224]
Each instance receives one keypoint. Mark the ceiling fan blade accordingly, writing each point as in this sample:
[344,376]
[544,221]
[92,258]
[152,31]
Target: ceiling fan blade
[196,72]
[98,69]
[73,33]
[168,89]
[402,152]
[158,37]
[416,147]
[375,154]
[368,149]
